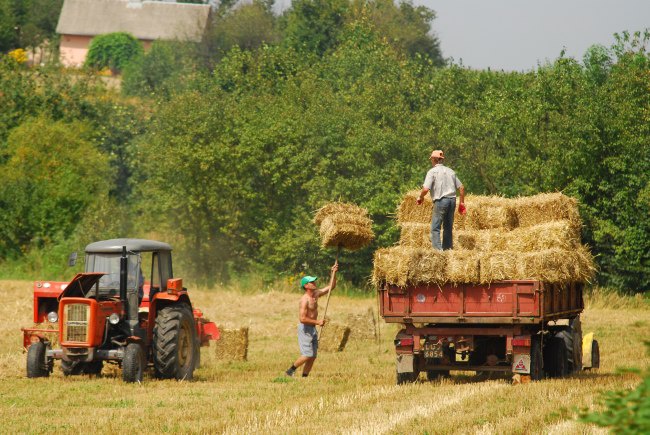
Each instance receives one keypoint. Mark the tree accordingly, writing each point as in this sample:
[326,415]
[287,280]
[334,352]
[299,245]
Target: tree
[246,26]
[52,174]
[113,50]
[314,25]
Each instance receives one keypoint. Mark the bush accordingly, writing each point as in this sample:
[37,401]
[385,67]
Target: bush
[113,50]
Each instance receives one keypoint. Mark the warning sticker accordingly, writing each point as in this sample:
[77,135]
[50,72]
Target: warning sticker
[521,363]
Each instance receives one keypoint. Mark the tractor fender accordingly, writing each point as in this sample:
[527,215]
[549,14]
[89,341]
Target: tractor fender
[590,352]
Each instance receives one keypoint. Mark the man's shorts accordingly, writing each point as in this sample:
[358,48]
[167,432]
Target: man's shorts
[307,340]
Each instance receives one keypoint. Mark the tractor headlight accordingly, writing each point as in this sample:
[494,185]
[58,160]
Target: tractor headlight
[114,319]
[52,317]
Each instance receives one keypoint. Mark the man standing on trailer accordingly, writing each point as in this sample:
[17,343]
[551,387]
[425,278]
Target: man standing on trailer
[441,182]
[308,317]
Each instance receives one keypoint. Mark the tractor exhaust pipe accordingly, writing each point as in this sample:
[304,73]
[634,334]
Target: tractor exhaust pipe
[123,272]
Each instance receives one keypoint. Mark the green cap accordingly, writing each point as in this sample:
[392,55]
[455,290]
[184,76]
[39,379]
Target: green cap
[307,279]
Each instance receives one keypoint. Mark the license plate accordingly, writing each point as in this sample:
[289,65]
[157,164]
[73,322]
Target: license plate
[432,350]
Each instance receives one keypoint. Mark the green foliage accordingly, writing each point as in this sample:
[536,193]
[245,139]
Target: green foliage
[161,70]
[113,50]
[27,23]
[314,25]
[248,27]
[626,412]
[53,172]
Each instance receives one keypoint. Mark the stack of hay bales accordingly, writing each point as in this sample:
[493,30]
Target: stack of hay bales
[535,237]
[344,225]
[333,337]
[233,344]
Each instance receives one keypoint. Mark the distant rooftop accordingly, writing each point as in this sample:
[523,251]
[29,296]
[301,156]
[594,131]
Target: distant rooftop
[146,20]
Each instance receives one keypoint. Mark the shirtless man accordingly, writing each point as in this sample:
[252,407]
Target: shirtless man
[308,316]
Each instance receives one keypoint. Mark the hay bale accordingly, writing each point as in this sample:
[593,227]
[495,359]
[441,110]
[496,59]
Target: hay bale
[233,344]
[392,265]
[344,225]
[333,337]
[558,265]
[409,211]
[498,265]
[418,235]
[362,326]
[561,234]
[547,207]
[403,265]
[463,267]
[487,212]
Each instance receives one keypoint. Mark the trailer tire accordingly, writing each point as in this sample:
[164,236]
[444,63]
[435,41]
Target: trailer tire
[37,363]
[556,358]
[536,360]
[434,375]
[133,364]
[407,378]
[174,343]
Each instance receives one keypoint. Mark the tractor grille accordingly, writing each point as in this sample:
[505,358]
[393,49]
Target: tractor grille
[76,322]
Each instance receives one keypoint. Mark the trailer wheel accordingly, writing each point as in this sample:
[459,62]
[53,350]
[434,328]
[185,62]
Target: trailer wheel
[37,362]
[407,378]
[133,363]
[434,375]
[174,342]
[556,359]
[536,361]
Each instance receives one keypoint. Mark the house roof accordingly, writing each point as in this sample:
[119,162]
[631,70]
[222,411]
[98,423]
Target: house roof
[146,20]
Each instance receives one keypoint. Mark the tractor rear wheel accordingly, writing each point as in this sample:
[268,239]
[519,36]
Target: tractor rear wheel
[555,358]
[133,364]
[174,343]
[37,363]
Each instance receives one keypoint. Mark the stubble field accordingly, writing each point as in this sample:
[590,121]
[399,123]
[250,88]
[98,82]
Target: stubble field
[352,391]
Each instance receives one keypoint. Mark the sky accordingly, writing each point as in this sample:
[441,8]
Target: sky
[517,35]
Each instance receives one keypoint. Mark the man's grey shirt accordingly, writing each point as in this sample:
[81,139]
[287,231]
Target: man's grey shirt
[441,182]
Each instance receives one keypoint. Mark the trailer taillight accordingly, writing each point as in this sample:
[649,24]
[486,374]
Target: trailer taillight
[404,342]
[521,341]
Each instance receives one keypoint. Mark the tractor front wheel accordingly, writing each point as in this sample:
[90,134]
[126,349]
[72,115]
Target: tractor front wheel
[37,361]
[174,343]
[133,364]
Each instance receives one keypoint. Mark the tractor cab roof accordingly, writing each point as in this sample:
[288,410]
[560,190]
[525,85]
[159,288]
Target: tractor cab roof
[133,245]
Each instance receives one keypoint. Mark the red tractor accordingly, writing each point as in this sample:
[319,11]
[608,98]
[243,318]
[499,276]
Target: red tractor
[112,313]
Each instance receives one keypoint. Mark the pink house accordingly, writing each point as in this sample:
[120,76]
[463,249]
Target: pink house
[82,20]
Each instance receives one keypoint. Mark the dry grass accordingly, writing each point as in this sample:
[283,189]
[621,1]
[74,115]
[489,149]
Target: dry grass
[344,225]
[349,391]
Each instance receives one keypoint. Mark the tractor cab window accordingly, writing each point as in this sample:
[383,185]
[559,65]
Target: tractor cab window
[109,264]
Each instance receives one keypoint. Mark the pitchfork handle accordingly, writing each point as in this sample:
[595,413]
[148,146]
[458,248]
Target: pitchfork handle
[329,293]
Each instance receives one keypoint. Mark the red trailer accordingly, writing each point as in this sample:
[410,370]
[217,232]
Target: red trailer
[526,327]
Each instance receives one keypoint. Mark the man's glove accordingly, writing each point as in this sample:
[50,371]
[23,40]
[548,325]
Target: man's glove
[462,209]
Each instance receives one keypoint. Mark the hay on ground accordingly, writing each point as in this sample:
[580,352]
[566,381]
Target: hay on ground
[233,344]
[333,337]
[344,225]
[362,326]
[547,207]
